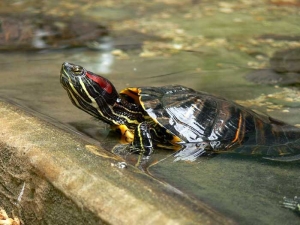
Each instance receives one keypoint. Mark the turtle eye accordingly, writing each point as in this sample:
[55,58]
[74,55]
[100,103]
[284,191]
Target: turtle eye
[77,70]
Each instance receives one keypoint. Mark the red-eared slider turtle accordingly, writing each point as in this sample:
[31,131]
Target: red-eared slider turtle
[175,116]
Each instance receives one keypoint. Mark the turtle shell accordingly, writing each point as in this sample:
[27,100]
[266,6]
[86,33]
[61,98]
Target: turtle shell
[171,114]
[190,115]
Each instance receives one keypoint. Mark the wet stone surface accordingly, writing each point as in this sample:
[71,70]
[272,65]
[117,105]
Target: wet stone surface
[57,174]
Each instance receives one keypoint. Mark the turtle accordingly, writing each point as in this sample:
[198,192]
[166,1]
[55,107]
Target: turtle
[179,118]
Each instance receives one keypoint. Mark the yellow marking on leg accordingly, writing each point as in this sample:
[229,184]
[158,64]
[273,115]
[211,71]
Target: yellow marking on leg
[140,138]
[175,140]
[127,135]
[141,153]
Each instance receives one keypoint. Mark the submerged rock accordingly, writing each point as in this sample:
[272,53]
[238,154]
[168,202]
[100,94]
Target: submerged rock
[285,69]
[26,32]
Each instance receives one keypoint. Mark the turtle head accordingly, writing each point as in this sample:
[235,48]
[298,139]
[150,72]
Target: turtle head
[88,91]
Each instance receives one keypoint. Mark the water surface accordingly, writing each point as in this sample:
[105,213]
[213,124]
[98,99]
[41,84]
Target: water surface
[208,46]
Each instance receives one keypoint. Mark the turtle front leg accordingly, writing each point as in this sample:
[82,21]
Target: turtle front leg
[142,140]
[127,136]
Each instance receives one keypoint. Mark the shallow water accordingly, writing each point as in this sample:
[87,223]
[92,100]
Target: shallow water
[206,46]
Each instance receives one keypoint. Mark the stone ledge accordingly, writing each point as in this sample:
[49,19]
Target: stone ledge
[57,168]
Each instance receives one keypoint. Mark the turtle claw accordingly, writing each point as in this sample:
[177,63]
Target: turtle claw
[291,203]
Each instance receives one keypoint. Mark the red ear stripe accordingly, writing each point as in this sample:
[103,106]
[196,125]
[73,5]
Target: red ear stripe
[101,81]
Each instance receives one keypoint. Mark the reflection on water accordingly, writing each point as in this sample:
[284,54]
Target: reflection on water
[208,46]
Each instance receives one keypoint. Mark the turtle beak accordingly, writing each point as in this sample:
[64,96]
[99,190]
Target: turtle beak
[63,74]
